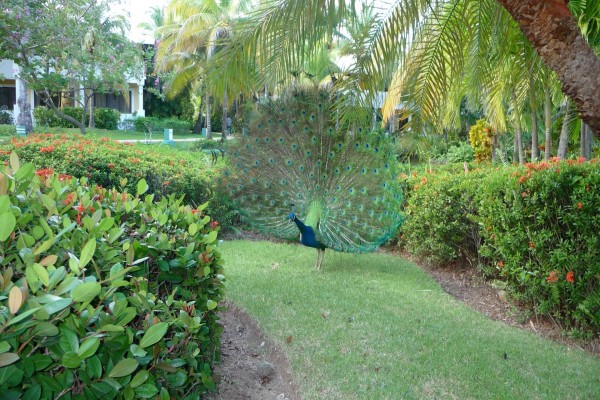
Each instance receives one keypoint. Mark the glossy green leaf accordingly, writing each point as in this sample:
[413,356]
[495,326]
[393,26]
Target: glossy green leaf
[154,334]
[88,347]
[124,367]
[146,391]
[142,187]
[86,292]
[7,226]
[71,360]
[87,253]
[8,358]
[139,378]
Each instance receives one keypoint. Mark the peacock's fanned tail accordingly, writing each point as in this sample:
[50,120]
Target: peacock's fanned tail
[294,159]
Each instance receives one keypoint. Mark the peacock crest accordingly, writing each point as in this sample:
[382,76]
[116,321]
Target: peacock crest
[341,185]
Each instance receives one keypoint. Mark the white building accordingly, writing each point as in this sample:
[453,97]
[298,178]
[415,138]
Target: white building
[10,92]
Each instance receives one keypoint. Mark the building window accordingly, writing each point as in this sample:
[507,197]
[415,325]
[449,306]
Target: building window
[37,100]
[116,101]
[8,97]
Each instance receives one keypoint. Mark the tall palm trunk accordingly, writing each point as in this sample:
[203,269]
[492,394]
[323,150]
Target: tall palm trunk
[563,144]
[24,118]
[518,131]
[208,132]
[554,33]
[535,153]
[547,124]
[224,116]
[585,141]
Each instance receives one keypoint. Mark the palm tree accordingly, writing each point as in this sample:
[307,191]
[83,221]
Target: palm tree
[278,34]
[194,31]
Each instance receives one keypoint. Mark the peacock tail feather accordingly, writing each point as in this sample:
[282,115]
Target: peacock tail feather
[294,159]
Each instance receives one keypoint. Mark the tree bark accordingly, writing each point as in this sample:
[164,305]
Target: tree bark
[535,152]
[48,101]
[553,32]
[224,116]
[24,118]
[585,141]
[208,133]
[92,122]
[563,144]
[548,124]
[518,131]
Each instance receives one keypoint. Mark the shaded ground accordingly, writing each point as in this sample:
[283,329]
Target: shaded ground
[246,349]
[252,366]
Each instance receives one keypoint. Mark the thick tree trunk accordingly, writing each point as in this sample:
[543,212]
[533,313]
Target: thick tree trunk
[563,143]
[547,124]
[553,32]
[24,118]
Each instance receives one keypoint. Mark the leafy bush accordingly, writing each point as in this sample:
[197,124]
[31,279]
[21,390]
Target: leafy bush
[461,152]
[111,164]
[541,227]
[6,117]
[143,124]
[8,130]
[480,136]
[439,226]
[535,227]
[104,294]
[104,118]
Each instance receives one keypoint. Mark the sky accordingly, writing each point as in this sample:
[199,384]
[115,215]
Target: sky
[138,13]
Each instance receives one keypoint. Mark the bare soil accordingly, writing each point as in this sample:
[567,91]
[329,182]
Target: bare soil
[245,347]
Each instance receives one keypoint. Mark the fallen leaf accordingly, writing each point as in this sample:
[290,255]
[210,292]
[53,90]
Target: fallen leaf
[275,266]
[288,339]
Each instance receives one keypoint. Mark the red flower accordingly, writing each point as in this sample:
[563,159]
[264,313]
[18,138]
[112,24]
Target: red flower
[500,263]
[553,277]
[579,205]
[531,245]
[214,225]
[69,199]
[44,173]
[570,277]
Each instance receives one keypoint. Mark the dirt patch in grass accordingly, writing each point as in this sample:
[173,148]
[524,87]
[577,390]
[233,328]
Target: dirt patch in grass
[252,366]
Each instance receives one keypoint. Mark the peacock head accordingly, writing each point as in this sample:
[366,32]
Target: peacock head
[292,216]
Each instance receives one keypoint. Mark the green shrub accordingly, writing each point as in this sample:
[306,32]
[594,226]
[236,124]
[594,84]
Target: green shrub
[541,227]
[104,294]
[439,226]
[111,164]
[535,227]
[8,130]
[461,152]
[106,118]
[158,125]
[6,117]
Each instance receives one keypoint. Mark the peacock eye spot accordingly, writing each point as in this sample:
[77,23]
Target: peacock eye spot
[293,122]
[280,121]
[308,153]
[376,149]
[375,171]
[256,162]
[367,146]
[356,145]
[331,154]
[281,140]
[260,126]
[270,120]
[267,140]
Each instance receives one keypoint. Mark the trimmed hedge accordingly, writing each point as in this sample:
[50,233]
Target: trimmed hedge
[104,118]
[111,164]
[535,227]
[104,294]
[158,125]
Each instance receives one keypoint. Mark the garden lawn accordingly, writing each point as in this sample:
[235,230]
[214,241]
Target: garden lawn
[375,326]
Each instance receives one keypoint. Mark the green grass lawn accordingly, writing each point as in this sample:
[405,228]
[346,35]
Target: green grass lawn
[375,326]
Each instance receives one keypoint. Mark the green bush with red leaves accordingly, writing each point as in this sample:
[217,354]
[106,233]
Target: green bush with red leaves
[536,227]
[109,164]
[104,294]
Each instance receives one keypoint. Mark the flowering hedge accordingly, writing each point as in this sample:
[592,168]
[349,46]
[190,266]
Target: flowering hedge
[534,226]
[110,164]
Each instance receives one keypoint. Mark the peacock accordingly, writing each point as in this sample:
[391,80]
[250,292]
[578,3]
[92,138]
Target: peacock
[298,172]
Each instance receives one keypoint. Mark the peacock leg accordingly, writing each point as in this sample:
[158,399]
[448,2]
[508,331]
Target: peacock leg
[320,254]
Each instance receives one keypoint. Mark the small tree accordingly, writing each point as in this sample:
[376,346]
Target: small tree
[68,46]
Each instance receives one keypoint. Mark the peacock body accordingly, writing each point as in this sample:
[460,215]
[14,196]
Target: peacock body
[295,166]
